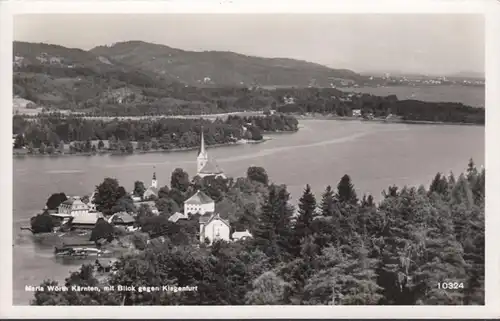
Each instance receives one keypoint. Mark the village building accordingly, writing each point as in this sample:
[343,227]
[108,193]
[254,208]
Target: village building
[213,228]
[199,203]
[152,190]
[73,206]
[121,219]
[207,166]
[241,235]
[85,221]
[177,216]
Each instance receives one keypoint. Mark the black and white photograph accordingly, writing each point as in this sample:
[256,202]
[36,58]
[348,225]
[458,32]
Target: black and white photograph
[248,159]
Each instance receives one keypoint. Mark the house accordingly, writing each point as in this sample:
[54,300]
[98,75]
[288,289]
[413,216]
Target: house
[207,166]
[213,227]
[177,216]
[85,221]
[152,190]
[73,206]
[241,235]
[122,218]
[199,203]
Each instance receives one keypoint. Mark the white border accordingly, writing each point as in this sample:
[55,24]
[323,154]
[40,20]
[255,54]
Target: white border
[491,10]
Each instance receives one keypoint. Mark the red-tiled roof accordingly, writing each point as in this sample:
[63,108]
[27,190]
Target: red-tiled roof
[199,198]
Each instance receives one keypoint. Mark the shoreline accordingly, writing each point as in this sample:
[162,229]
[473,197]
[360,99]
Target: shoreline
[384,121]
[139,152]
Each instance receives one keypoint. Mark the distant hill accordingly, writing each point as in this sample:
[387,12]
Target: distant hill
[221,68]
[67,78]
[149,78]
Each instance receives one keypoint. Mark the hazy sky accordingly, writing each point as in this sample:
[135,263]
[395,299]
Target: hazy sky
[421,43]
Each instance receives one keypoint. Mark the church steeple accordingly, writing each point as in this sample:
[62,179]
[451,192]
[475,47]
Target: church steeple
[202,154]
[154,182]
[202,150]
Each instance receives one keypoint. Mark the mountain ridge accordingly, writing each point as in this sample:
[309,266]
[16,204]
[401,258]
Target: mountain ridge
[221,67]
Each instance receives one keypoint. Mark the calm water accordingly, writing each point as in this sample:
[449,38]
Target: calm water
[374,155]
[468,95]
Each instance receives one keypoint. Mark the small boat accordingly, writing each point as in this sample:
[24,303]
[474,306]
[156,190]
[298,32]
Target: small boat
[78,252]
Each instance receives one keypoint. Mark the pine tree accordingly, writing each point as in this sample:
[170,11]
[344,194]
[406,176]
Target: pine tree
[302,226]
[471,170]
[273,227]
[327,205]
[439,185]
[345,191]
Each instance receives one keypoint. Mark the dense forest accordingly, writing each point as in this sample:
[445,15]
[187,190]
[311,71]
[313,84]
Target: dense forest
[421,246]
[327,101]
[49,133]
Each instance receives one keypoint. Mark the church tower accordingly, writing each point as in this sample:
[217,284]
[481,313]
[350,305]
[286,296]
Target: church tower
[154,182]
[202,155]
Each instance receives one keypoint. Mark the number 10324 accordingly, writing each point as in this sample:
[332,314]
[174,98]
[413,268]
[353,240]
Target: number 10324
[450,285]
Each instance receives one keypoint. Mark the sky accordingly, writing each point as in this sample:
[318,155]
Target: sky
[435,44]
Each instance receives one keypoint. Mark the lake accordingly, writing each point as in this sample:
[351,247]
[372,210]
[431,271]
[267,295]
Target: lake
[468,95]
[375,155]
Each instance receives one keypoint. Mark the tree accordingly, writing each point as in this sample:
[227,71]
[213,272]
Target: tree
[107,195]
[257,174]
[42,223]
[267,289]
[345,191]
[327,205]
[55,200]
[439,185]
[163,192]
[102,230]
[167,206]
[179,180]
[302,226]
[272,233]
[139,188]
[100,145]
[471,170]
[123,204]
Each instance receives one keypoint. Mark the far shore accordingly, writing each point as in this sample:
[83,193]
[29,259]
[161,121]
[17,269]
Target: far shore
[378,120]
[136,152]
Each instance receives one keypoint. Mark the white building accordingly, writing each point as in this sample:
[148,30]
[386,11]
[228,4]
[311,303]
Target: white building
[152,190]
[86,221]
[207,166]
[214,228]
[73,206]
[199,203]
[241,235]
[356,112]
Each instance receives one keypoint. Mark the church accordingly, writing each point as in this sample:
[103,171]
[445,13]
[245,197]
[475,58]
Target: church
[207,166]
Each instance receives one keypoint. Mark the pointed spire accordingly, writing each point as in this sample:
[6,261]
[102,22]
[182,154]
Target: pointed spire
[202,143]
[154,173]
